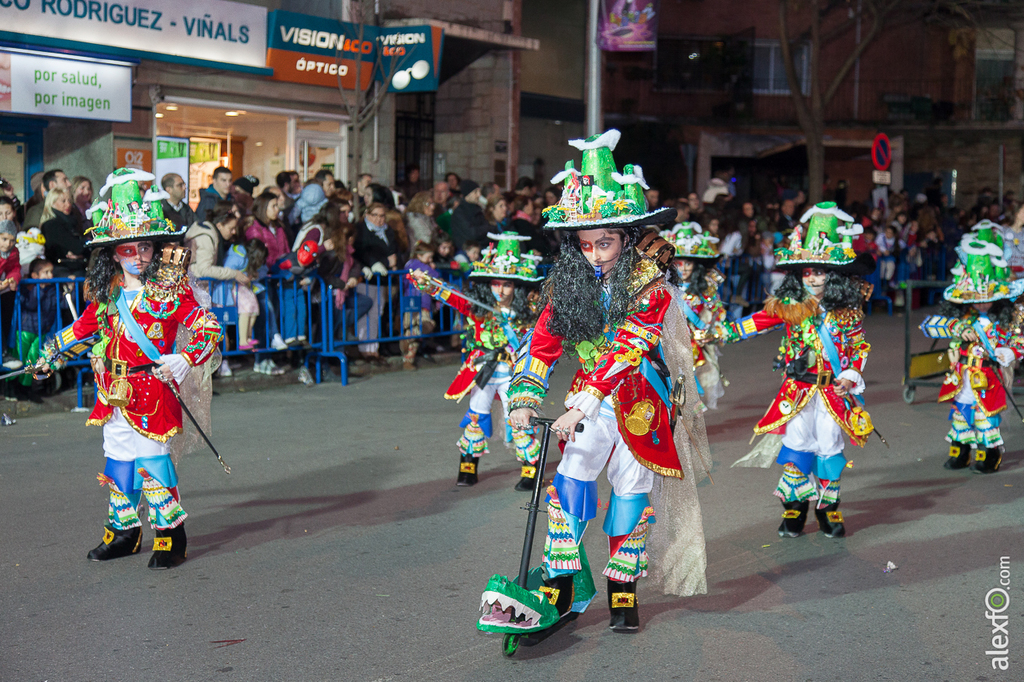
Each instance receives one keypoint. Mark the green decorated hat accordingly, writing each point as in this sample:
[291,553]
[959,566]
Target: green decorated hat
[598,195]
[504,260]
[128,216]
[691,242]
[982,275]
[824,239]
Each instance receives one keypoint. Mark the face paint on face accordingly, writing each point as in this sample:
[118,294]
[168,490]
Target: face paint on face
[814,281]
[684,268]
[602,249]
[503,291]
[134,256]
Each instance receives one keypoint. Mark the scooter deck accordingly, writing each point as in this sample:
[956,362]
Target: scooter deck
[535,638]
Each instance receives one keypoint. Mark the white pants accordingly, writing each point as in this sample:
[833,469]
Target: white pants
[368,327]
[481,399]
[814,430]
[123,443]
[601,444]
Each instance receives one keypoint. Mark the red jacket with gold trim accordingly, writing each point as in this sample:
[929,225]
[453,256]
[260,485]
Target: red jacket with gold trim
[625,363]
[802,347]
[483,335]
[152,409]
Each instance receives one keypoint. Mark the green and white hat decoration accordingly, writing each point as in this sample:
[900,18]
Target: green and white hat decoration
[825,244]
[128,215]
[690,241]
[982,275]
[503,259]
[598,195]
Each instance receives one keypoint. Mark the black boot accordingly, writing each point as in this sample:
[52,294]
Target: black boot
[830,521]
[623,606]
[529,475]
[793,518]
[959,455]
[170,548]
[467,470]
[987,460]
[117,543]
[559,591]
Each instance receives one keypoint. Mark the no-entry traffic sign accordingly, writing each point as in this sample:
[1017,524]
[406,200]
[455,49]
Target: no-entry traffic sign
[881,152]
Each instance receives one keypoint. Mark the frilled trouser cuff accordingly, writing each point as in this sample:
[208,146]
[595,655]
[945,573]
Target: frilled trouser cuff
[587,403]
[628,563]
[164,511]
[561,547]
[123,512]
[473,441]
[527,446]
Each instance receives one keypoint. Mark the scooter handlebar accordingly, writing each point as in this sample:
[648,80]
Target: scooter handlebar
[544,421]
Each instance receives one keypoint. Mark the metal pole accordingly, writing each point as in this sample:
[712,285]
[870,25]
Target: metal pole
[531,521]
[1002,156]
[856,66]
[593,71]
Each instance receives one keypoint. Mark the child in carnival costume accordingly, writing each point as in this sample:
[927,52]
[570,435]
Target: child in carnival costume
[696,256]
[819,304]
[504,276]
[139,301]
[610,303]
[983,323]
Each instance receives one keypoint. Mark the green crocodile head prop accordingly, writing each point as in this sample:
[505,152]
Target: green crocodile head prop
[507,608]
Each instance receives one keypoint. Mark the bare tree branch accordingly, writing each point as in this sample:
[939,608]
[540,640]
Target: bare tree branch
[803,115]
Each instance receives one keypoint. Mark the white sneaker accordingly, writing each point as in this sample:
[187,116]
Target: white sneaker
[260,367]
[14,363]
[224,370]
[277,343]
[273,369]
[300,338]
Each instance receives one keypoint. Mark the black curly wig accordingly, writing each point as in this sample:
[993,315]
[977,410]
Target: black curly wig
[102,270]
[698,282]
[841,291]
[480,289]
[1002,311]
[574,291]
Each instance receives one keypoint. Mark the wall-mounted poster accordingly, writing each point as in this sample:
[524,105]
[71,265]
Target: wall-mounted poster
[628,25]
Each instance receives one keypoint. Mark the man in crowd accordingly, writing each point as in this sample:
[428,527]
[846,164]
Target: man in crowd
[411,184]
[787,219]
[442,212]
[52,179]
[289,187]
[325,179]
[219,189]
[653,197]
[241,192]
[176,209]
[468,220]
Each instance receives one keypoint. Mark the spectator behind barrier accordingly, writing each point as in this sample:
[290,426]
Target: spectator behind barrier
[65,243]
[176,209]
[220,186]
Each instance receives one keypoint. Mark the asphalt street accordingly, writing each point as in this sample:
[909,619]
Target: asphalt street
[339,548]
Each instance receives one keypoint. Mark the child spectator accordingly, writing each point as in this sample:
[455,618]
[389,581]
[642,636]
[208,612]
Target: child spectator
[444,256]
[39,310]
[417,323]
[469,254]
[249,257]
[10,276]
[299,264]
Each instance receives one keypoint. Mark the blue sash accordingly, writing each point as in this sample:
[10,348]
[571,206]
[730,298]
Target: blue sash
[828,345]
[984,338]
[691,315]
[139,336]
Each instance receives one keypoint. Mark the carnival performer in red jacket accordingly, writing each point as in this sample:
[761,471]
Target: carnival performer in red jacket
[503,276]
[139,300]
[983,323]
[610,304]
[823,355]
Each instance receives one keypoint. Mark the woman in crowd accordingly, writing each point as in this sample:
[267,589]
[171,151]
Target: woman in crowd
[65,245]
[376,247]
[419,218]
[343,273]
[81,197]
[496,213]
[396,223]
[267,227]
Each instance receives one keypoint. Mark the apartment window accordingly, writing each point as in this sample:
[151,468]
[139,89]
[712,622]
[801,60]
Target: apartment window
[770,70]
[701,63]
[994,89]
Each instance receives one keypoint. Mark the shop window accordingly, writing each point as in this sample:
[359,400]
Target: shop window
[414,136]
[770,70]
[995,94]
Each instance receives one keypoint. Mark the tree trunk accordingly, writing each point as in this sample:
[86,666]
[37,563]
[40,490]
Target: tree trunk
[815,166]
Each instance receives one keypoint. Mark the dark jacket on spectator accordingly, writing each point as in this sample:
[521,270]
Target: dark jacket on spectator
[371,249]
[208,198]
[538,240]
[32,308]
[469,224]
[62,237]
[182,217]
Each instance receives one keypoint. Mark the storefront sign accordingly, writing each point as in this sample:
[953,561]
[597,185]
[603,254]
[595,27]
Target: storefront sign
[628,25]
[319,51]
[141,159]
[48,86]
[203,30]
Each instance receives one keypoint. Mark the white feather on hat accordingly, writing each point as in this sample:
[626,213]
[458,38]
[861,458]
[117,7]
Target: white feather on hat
[850,231]
[562,175]
[608,138]
[634,178]
[153,194]
[834,210]
[137,175]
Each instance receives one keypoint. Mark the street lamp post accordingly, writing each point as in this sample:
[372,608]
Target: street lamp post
[594,123]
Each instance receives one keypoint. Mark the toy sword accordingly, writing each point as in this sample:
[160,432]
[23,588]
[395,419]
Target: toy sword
[443,287]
